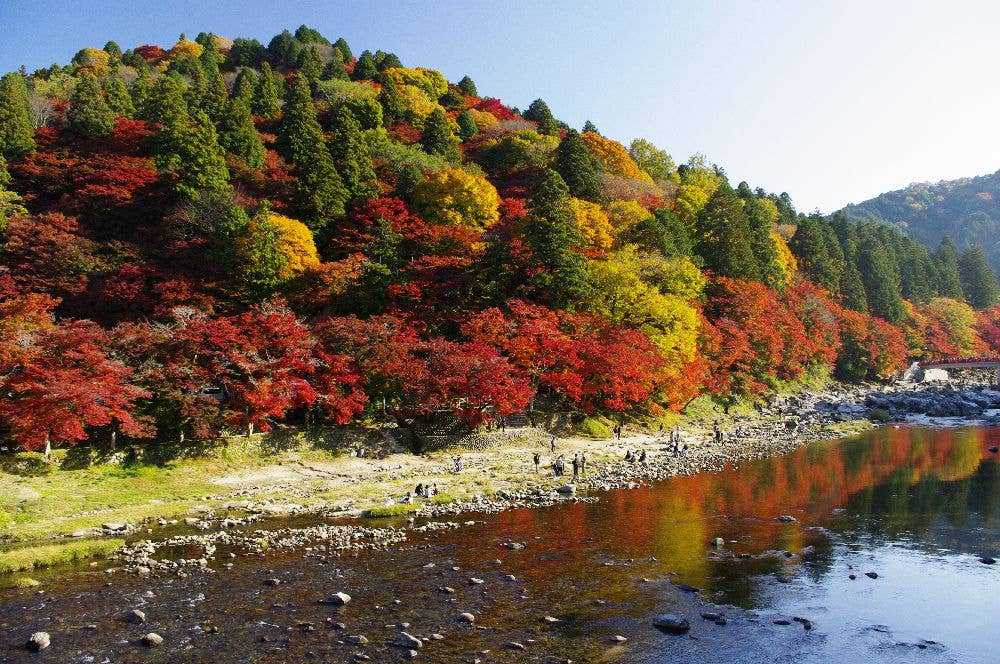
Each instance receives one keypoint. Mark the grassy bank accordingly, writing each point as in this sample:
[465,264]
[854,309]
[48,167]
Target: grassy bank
[33,557]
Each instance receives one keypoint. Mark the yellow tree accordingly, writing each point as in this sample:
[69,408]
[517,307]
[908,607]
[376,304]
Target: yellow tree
[623,215]
[458,198]
[295,242]
[593,223]
[614,156]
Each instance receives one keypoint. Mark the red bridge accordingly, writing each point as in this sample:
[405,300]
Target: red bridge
[951,363]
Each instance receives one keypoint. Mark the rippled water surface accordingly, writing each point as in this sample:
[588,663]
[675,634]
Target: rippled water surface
[919,507]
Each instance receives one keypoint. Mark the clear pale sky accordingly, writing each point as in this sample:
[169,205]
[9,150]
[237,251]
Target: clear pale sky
[831,101]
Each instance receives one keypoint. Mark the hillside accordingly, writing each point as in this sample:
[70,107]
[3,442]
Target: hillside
[221,236]
[967,210]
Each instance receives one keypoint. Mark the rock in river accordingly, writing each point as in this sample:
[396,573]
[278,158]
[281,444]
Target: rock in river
[152,640]
[337,599]
[671,623]
[38,641]
[407,640]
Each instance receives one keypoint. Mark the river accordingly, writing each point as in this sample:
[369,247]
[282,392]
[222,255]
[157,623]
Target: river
[918,507]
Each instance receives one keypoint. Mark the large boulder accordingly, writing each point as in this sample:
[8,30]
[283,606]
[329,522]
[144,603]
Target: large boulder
[671,623]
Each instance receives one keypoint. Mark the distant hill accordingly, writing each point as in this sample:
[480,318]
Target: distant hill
[967,210]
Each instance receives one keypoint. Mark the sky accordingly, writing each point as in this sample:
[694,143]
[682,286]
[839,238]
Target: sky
[831,101]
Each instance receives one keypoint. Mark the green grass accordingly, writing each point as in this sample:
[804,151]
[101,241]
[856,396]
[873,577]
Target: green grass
[593,427]
[388,511]
[32,557]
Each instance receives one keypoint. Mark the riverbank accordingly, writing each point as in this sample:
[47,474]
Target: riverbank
[200,497]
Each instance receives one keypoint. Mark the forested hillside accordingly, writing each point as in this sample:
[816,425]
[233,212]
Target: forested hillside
[221,236]
[966,210]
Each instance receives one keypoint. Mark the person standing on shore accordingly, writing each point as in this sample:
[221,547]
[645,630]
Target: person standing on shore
[552,444]
[583,463]
[576,467]
[537,458]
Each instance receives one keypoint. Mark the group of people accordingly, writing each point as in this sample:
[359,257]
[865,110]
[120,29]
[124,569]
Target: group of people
[638,456]
[579,464]
[425,490]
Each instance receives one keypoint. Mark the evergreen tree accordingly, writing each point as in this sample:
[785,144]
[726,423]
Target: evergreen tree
[350,155]
[344,50]
[466,125]
[210,58]
[117,97]
[89,116]
[245,53]
[589,126]
[852,287]
[576,166]
[284,49]
[334,69]
[437,137]
[245,86]
[259,256]
[310,64]
[539,112]
[224,235]
[809,245]
[468,86]
[213,102]
[979,282]
[140,91]
[320,194]
[946,259]
[761,224]
[916,272]
[385,61]
[393,106]
[4,173]
[113,50]
[239,135]
[663,232]
[881,286]
[308,35]
[556,241]
[265,104]
[17,137]
[165,104]
[365,68]
[724,238]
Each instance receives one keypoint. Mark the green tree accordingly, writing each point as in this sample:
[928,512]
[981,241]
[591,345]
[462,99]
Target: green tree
[556,242]
[946,259]
[882,287]
[365,68]
[89,116]
[979,282]
[308,35]
[245,86]
[577,167]
[310,64]
[265,104]
[140,91]
[259,257]
[590,126]
[17,138]
[812,251]
[663,232]
[284,49]
[539,112]
[344,50]
[762,215]
[468,86]
[334,69]
[653,160]
[117,97]
[393,106]
[351,156]
[113,50]
[437,136]
[239,135]
[214,100]
[724,237]
[320,193]
[466,125]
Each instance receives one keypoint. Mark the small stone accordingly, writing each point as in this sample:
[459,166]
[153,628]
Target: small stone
[337,599]
[567,489]
[786,518]
[448,590]
[516,546]
[466,618]
[871,575]
[357,639]
[671,623]
[135,616]
[511,577]
[437,637]
[718,542]
[411,654]
[551,620]
[152,640]
[851,577]
[711,615]
[986,560]
[273,582]
[782,621]
[514,645]
[429,565]
[618,638]
[39,641]
[407,640]
[476,582]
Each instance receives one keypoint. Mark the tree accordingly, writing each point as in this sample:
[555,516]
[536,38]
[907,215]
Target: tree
[979,282]
[259,257]
[351,156]
[455,197]
[437,136]
[654,161]
[334,69]
[946,259]
[239,135]
[344,50]
[245,86]
[589,126]
[365,68]
[881,285]
[556,242]
[188,149]
[393,106]
[320,193]
[215,97]
[65,384]
[466,125]
[811,249]
[538,111]
[723,237]
[576,166]
[17,138]
[310,64]
[265,104]
[468,86]
[663,232]
[89,116]
[245,53]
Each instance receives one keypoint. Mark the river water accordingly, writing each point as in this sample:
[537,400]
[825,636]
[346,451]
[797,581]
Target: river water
[918,507]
